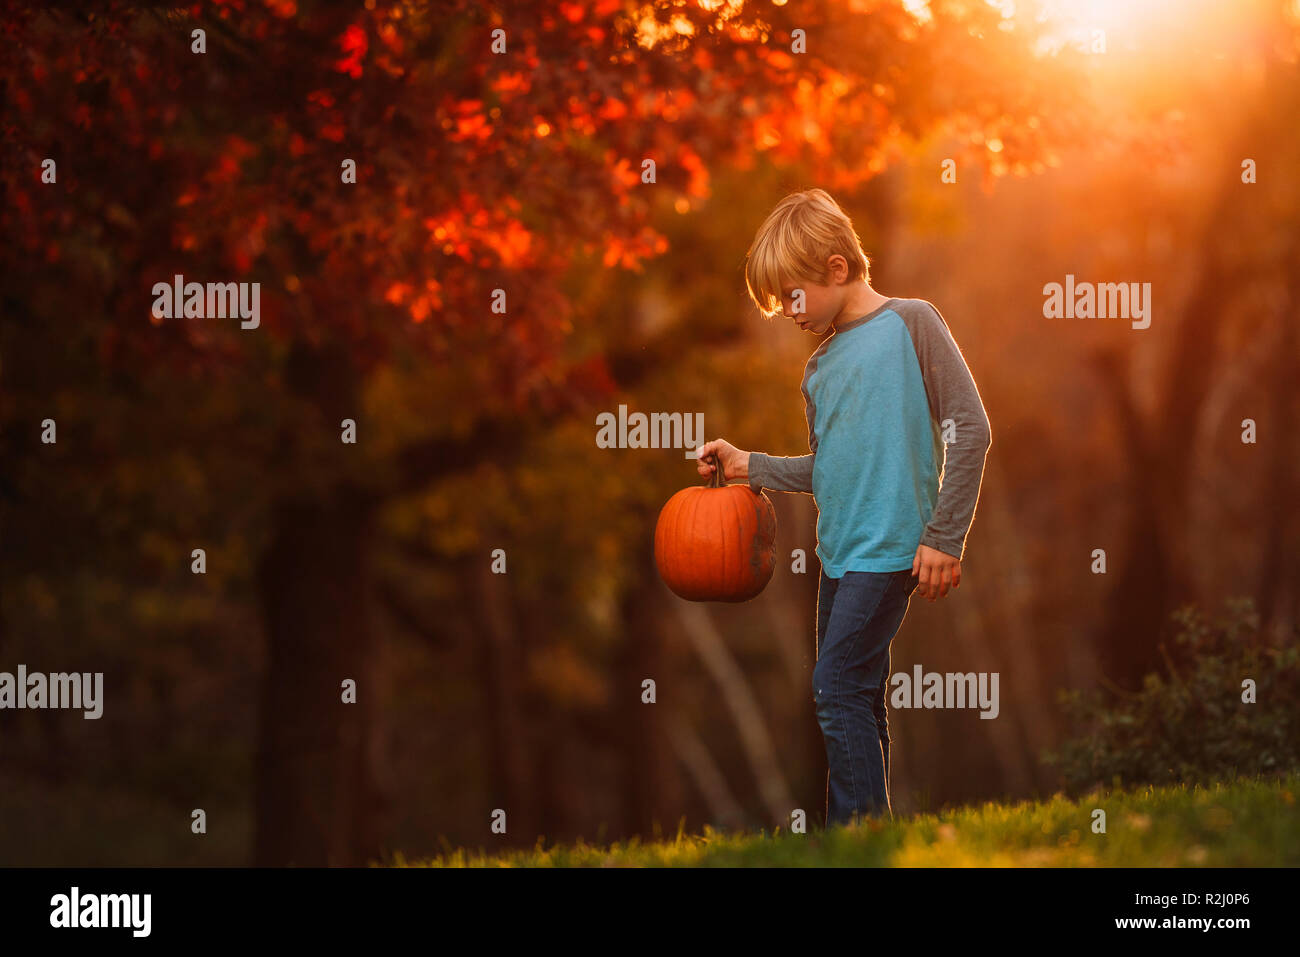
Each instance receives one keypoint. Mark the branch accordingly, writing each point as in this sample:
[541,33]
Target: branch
[501,440]
[740,700]
[403,611]
[705,772]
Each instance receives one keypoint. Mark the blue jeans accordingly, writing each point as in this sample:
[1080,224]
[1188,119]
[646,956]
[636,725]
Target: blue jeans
[857,618]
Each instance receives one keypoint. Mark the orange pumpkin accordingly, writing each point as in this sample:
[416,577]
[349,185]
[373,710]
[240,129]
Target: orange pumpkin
[715,542]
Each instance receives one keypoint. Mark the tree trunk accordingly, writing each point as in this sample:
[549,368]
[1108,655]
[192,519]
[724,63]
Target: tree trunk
[1278,562]
[651,784]
[315,800]
[499,658]
[1153,576]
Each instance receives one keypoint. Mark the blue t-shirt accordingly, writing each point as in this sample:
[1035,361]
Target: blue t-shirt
[881,394]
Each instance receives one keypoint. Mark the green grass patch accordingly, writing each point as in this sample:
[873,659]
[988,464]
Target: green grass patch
[1244,822]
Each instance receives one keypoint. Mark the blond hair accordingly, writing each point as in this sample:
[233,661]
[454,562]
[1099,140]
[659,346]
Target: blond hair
[794,242]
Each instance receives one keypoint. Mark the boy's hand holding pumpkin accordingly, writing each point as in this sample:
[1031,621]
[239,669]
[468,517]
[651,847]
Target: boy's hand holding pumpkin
[735,462]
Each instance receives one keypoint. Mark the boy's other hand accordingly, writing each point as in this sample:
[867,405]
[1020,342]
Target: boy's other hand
[937,572]
[735,463]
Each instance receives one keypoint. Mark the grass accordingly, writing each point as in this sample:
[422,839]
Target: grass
[1246,822]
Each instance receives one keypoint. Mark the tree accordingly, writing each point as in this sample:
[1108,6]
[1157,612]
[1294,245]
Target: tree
[478,168]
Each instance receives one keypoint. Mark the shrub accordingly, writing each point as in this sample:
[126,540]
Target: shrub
[1191,724]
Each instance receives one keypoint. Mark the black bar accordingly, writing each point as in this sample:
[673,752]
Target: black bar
[421,906]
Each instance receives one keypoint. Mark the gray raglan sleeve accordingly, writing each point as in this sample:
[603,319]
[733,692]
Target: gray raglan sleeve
[953,397]
[791,473]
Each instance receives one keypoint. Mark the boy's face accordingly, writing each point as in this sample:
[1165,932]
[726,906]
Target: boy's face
[820,304]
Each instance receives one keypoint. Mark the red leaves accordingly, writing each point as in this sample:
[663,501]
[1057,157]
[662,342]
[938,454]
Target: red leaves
[234,151]
[472,127]
[472,123]
[591,377]
[423,303]
[612,109]
[512,244]
[331,123]
[354,43]
[628,252]
[698,185]
[566,121]
[250,243]
[511,83]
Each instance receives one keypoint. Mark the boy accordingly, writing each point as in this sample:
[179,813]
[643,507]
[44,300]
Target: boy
[882,394]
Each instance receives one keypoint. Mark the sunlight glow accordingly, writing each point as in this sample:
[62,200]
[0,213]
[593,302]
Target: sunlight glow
[1098,25]
[919,9]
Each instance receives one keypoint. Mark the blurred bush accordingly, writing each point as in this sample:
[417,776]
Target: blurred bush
[1191,724]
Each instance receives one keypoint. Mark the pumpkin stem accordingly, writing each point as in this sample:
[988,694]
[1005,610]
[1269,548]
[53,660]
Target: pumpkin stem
[716,480]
